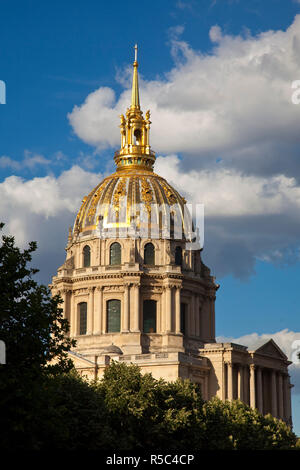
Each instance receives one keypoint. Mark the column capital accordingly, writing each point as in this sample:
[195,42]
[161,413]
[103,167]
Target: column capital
[65,290]
[100,288]
[229,363]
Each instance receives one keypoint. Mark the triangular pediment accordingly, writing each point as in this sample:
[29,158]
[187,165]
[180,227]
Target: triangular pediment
[80,361]
[269,348]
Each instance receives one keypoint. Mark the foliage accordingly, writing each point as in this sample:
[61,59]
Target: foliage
[46,405]
[34,332]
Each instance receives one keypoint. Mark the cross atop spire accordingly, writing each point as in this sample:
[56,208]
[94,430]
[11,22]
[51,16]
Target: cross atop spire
[135,53]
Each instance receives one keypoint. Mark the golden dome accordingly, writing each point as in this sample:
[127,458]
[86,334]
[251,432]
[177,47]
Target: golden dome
[134,198]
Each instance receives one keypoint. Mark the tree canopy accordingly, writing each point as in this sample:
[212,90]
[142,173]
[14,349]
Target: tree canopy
[45,404]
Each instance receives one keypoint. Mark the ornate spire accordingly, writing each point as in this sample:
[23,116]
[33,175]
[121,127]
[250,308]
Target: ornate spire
[135,97]
[135,152]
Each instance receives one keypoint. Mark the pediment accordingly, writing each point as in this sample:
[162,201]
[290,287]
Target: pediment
[270,348]
[80,361]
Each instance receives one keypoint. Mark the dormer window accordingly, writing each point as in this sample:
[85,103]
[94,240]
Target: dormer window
[86,256]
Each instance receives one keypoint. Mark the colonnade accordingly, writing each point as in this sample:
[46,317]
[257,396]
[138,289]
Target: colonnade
[263,388]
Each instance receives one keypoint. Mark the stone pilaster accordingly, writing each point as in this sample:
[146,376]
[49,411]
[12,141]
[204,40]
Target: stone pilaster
[177,309]
[168,313]
[90,311]
[125,319]
[98,301]
[252,386]
[229,380]
[273,393]
[135,310]
[240,378]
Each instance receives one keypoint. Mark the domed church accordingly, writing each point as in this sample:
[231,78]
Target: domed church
[135,289]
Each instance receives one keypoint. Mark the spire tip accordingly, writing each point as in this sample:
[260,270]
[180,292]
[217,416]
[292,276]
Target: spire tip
[135,52]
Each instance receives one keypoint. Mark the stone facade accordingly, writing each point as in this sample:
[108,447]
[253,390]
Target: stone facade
[157,311]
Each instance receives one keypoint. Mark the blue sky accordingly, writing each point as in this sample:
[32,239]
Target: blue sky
[227,65]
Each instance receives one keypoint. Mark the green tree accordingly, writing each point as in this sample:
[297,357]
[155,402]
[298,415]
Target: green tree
[34,332]
[147,413]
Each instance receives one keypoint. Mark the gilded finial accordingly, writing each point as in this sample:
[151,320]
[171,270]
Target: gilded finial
[135,52]
[135,151]
[135,97]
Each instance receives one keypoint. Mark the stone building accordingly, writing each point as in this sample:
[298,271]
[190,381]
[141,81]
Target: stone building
[135,289]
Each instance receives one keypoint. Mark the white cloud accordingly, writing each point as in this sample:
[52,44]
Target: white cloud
[227,192]
[234,103]
[42,209]
[246,217]
[30,161]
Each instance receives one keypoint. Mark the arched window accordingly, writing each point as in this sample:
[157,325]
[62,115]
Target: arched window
[86,256]
[115,254]
[82,318]
[183,318]
[137,137]
[113,316]
[178,256]
[149,316]
[149,254]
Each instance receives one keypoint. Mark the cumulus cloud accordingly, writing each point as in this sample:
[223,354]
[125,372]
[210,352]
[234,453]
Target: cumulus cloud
[30,161]
[42,209]
[234,103]
[247,217]
[289,343]
[230,116]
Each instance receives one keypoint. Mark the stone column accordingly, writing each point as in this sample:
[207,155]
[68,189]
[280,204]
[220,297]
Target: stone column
[136,308]
[168,308]
[280,396]
[230,380]
[125,323]
[252,386]
[273,393]
[177,309]
[76,318]
[90,311]
[240,382]
[260,406]
[72,314]
[223,385]
[104,316]
[98,310]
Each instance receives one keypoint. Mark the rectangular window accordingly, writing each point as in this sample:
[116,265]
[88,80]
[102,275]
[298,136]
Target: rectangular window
[149,316]
[113,316]
[82,318]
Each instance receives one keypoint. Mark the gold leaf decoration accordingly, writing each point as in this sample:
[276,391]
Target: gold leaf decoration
[120,192]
